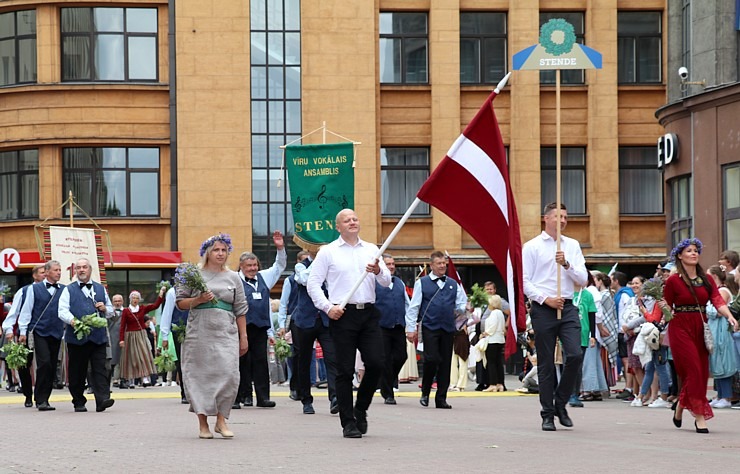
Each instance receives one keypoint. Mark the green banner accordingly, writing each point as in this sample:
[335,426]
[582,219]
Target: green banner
[322,183]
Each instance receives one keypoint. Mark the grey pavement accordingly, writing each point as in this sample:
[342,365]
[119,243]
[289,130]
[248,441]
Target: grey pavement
[149,430]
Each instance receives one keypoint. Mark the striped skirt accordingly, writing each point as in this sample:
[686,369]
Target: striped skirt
[136,356]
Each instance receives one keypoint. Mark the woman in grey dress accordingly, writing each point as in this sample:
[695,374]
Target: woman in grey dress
[215,338]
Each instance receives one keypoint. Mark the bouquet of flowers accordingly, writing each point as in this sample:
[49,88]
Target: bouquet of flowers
[164,362]
[5,289]
[165,284]
[178,332]
[478,297]
[16,355]
[654,288]
[188,275]
[282,349]
[85,325]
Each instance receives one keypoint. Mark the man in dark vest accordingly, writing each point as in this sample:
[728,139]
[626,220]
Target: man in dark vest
[288,302]
[39,318]
[392,302]
[10,326]
[436,302]
[312,324]
[257,284]
[80,298]
[172,315]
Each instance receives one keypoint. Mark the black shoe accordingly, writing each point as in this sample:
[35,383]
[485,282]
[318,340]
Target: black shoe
[58,386]
[184,401]
[308,409]
[29,402]
[334,406]
[45,407]
[12,388]
[266,404]
[248,402]
[351,431]
[442,404]
[563,417]
[361,419]
[80,409]
[390,401]
[105,404]
[676,422]
[481,387]
[236,406]
[548,424]
[701,430]
[294,396]
[424,400]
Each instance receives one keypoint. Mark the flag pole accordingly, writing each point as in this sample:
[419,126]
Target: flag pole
[382,249]
[557,175]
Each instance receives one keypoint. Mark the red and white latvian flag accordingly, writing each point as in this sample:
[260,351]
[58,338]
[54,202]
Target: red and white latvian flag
[471,185]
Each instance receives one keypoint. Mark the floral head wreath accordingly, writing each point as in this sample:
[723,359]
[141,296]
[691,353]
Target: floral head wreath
[225,238]
[683,244]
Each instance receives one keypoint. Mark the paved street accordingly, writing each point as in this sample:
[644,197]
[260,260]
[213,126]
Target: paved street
[148,430]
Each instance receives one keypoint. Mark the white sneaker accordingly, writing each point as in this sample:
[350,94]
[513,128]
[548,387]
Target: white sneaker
[713,402]
[722,403]
[637,402]
[659,403]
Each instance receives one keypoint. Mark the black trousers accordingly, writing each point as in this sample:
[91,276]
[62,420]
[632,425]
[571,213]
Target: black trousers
[178,366]
[357,329]
[495,364]
[46,351]
[80,356]
[394,346]
[437,361]
[293,359]
[547,328]
[253,366]
[306,338]
[24,374]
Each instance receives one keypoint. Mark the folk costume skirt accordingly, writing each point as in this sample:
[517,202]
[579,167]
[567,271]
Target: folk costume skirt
[136,356]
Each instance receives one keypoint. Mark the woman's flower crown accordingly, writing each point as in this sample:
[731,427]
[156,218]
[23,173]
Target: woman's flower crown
[685,243]
[225,238]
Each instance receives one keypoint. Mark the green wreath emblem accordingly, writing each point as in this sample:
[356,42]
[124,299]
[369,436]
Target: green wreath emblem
[557,37]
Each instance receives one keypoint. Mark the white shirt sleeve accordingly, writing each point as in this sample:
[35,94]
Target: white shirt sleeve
[165,321]
[412,313]
[15,309]
[63,311]
[283,308]
[25,317]
[319,270]
[272,274]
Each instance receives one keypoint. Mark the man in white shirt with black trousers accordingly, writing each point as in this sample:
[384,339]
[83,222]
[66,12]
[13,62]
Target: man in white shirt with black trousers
[341,264]
[541,263]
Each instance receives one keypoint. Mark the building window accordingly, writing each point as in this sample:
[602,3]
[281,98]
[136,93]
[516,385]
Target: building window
[122,282]
[404,48]
[482,47]
[402,172]
[19,184]
[17,47]
[573,178]
[275,30]
[682,208]
[113,182]
[639,44]
[567,76]
[731,205]
[640,181]
[109,44]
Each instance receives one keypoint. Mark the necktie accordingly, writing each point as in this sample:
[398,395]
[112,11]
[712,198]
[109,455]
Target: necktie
[55,285]
[252,281]
[83,285]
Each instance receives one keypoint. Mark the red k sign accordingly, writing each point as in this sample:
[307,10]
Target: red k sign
[9,260]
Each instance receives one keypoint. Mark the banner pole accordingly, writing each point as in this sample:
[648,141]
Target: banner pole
[383,247]
[323,132]
[557,174]
[71,210]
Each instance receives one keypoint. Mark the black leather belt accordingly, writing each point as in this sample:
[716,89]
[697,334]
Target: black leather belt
[360,306]
[567,301]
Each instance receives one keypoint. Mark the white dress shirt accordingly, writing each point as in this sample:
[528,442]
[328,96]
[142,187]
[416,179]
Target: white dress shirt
[270,275]
[25,317]
[540,277]
[341,265]
[66,315]
[283,308]
[412,312]
[14,312]
[165,320]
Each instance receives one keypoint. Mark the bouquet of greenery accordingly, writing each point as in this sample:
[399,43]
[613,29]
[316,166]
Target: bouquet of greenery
[188,275]
[85,325]
[282,349]
[178,332]
[164,362]
[16,355]
[165,284]
[654,288]
[478,296]
[5,289]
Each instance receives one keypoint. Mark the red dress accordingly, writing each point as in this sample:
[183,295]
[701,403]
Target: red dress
[686,339]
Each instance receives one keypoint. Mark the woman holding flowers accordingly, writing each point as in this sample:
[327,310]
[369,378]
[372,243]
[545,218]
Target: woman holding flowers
[136,351]
[216,333]
[687,293]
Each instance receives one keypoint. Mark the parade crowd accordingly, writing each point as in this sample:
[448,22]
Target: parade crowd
[346,322]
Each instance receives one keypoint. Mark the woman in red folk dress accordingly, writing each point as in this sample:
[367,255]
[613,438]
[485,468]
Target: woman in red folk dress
[687,293]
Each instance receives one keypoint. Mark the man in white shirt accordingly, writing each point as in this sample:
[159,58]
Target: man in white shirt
[356,326]
[542,261]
